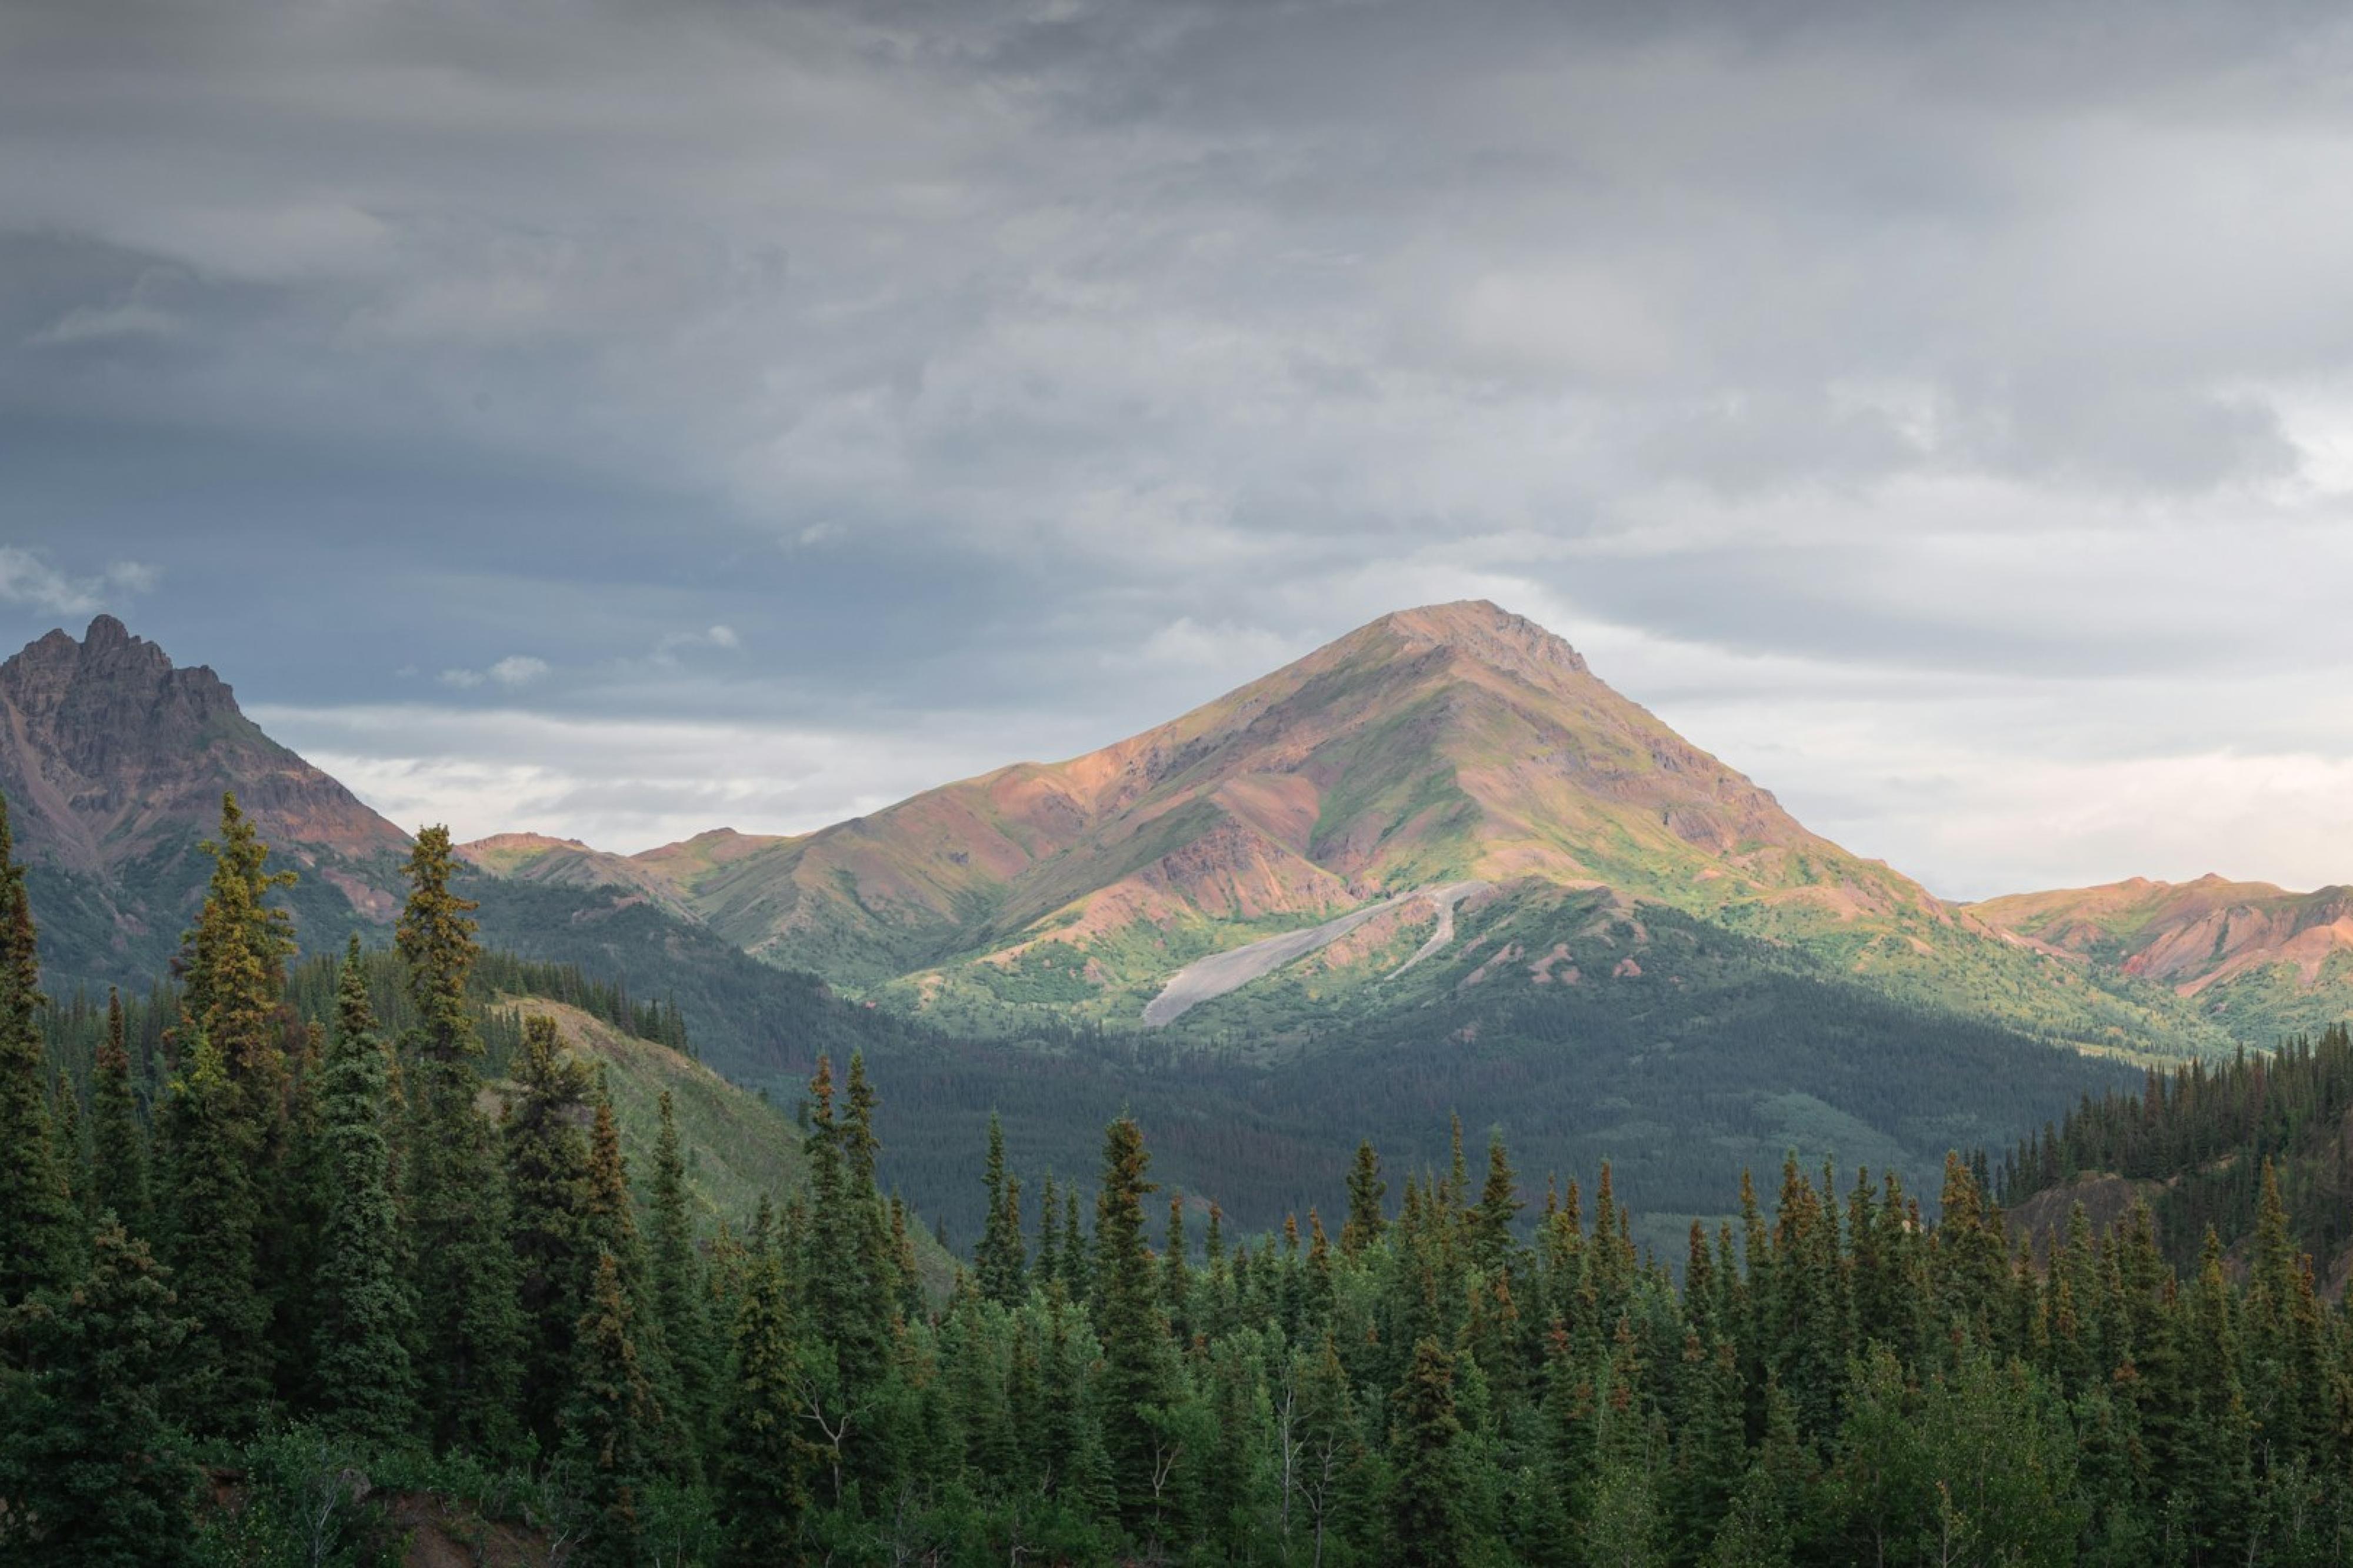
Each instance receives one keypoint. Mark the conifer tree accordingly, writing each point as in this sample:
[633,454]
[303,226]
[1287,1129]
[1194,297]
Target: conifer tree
[909,1301]
[2286,1365]
[608,1419]
[1622,1524]
[1316,1288]
[366,1387]
[470,1330]
[1489,1222]
[1425,1503]
[71,1141]
[2219,1479]
[877,1256]
[234,973]
[680,1297]
[1078,1274]
[1365,1222]
[612,1220]
[763,1490]
[976,1374]
[39,1229]
[93,1474]
[1326,1472]
[1175,1272]
[611,1228]
[998,1262]
[1710,1446]
[294,1219]
[1050,1247]
[549,1230]
[845,1280]
[234,968]
[1135,1382]
[118,1142]
[215,1217]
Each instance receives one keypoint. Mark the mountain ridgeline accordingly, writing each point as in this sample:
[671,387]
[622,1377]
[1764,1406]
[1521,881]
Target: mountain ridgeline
[1454,747]
[1436,865]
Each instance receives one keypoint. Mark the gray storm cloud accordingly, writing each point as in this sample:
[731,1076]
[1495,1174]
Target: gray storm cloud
[1941,411]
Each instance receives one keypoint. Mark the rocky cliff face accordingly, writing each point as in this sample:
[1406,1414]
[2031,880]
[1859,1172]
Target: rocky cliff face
[104,745]
[114,762]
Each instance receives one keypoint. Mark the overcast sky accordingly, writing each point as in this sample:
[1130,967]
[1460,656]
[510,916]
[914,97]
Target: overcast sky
[622,419]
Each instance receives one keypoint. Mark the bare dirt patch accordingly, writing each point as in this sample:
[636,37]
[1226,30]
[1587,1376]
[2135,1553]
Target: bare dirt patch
[1213,976]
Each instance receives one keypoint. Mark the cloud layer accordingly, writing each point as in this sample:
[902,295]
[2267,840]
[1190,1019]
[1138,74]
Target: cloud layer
[1945,412]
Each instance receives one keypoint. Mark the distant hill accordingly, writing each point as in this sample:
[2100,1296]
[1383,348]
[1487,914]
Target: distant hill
[2256,961]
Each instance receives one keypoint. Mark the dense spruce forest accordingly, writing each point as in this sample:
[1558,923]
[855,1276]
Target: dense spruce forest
[2212,1140]
[297,1298]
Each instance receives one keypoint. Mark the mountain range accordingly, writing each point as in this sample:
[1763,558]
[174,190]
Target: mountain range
[1454,747]
[1440,849]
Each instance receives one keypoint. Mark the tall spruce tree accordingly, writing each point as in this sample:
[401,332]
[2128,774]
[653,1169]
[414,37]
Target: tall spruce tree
[71,1141]
[1488,1224]
[117,1142]
[762,1468]
[233,967]
[367,1385]
[999,1261]
[548,1225]
[470,1329]
[41,1231]
[1078,1272]
[1426,1525]
[232,971]
[1365,1222]
[612,1231]
[215,1224]
[848,1279]
[1136,1381]
[681,1295]
[878,1274]
[607,1422]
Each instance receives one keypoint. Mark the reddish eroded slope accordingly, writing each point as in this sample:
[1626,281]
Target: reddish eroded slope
[1455,740]
[2187,935]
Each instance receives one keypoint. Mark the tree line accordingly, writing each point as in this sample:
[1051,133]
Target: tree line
[329,1243]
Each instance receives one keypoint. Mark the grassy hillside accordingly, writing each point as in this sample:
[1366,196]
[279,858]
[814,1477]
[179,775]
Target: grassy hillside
[738,1145]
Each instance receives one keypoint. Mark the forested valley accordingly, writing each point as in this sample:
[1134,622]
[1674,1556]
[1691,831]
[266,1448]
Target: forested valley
[327,1295]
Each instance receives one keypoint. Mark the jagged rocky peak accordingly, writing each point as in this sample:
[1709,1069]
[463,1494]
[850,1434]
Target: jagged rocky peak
[107,749]
[87,700]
